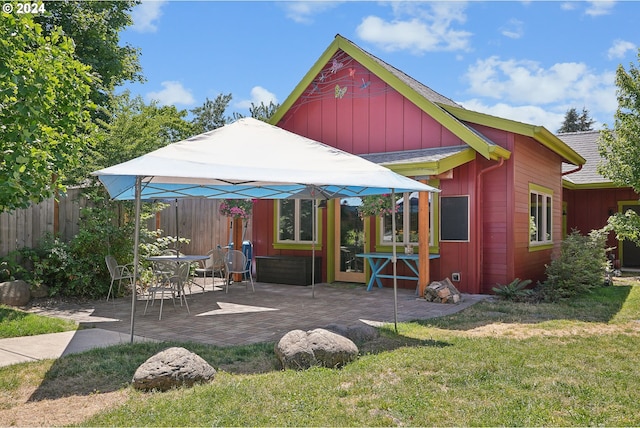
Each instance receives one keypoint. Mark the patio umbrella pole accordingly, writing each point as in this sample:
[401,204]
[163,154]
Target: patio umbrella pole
[393,260]
[136,244]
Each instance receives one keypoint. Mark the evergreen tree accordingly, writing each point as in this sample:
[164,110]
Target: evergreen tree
[575,123]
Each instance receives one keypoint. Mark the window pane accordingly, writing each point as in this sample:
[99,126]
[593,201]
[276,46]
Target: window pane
[306,220]
[548,219]
[533,225]
[539,218]
[286,224]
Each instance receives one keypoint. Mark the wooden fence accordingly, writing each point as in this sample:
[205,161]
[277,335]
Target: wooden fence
[197,220]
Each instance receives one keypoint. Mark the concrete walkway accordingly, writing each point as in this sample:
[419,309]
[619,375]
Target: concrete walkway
[217,318]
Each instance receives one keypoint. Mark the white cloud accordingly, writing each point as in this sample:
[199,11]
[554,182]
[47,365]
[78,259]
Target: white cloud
[146,14]
[525,91]
[514,29]
[258,95]
[527,82]
[620,48]
[303,11]
[172,94]
[600,7]
[532,115]
[418,27]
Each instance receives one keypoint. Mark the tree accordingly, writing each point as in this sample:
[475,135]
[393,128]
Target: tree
[575,123]
[620,148]
[210,115]
[94,27]
[135,129]
[44,110]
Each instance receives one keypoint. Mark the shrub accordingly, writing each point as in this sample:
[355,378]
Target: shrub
[515,291]
[580,267]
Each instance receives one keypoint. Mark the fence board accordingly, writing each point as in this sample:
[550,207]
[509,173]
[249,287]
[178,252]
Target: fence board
[198,218]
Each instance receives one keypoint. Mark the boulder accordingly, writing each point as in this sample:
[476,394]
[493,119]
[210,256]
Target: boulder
[173,367]
[357,333]
[14,293]
[320,347]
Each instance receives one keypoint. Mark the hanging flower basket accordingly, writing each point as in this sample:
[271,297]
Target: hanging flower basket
[377,205]
[236,208]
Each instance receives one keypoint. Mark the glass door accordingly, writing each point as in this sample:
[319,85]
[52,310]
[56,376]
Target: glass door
[349,241]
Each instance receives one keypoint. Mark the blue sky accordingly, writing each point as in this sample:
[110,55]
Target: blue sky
[527,61]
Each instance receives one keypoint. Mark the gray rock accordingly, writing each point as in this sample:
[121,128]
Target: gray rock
[14,293]
[300,350]
[357,333]
[172,368]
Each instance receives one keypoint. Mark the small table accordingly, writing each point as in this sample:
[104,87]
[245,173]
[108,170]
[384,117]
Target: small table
[378,261]
[180,259]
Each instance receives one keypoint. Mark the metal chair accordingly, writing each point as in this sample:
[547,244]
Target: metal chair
[236,262]
[118,272]
[213,265]
[172,283]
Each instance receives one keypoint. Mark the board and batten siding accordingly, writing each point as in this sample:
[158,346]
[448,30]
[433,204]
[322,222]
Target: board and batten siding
[534,164]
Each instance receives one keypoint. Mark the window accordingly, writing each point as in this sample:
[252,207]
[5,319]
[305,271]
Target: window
[454,218]
[295,221]
[541,218]
[406,221]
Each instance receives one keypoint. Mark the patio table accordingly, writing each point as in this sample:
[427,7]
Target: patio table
[180,259]
[378,261]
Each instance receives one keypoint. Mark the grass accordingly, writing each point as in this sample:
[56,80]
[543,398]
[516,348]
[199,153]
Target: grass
[15,323]
[496,363]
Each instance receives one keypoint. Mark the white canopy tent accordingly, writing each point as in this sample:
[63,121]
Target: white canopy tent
[249,159]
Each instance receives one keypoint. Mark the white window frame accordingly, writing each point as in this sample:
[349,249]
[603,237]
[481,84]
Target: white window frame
[406,225]
[542,218]
[297,224]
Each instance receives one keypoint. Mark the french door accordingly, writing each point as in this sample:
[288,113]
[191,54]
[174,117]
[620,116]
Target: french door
[349,238]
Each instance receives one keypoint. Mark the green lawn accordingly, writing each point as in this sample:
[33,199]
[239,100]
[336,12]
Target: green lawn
[496,363]
[16,323]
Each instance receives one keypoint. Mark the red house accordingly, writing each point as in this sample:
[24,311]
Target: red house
[589,198]
[499,213]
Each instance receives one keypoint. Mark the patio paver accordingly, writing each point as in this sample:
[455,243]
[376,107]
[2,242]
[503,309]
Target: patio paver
[243,317]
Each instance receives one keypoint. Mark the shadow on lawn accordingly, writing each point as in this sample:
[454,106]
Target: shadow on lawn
[112,368]
[601,306]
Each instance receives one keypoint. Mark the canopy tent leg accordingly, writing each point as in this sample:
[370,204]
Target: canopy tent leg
[136,245]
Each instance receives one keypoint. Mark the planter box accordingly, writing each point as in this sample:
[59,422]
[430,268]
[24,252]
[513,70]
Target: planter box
[293,270]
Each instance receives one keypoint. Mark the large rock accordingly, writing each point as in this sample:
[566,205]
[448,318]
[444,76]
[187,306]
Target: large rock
[171,368]
[14,293]
[357,333]
[300,350]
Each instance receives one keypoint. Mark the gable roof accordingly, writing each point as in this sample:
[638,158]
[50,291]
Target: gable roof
[442,109]
[585,143]
[422,96]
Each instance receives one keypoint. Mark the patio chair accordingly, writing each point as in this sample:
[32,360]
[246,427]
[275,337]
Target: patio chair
[236,262]
[118,273]
[213,265]
[171,284]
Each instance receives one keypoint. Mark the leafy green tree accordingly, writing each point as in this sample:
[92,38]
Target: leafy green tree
[135,128]
[94,27]
[620,148]
[210,115]
[44,110]
[574,122]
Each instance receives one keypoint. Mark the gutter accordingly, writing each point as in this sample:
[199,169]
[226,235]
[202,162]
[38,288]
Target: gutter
[572,171]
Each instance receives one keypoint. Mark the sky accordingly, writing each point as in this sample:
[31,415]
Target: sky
[528,61]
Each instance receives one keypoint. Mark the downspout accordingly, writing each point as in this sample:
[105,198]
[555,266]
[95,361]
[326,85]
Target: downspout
[479,259]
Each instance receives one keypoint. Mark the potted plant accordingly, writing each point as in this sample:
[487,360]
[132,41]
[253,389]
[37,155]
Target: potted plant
[236,208]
